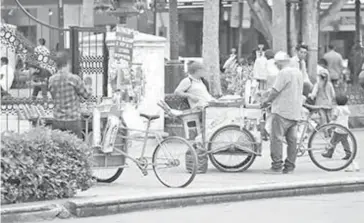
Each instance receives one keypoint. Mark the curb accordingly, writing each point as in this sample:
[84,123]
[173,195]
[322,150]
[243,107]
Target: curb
[33,213]
[171,199]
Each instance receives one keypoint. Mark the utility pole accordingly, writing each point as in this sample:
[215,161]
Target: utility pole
[241,30]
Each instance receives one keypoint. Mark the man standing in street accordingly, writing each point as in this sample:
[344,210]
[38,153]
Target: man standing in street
[299,61]
[334,64]
[66,90]
[286,99]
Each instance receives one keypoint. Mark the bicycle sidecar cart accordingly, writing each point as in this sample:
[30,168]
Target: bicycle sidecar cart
[226,131]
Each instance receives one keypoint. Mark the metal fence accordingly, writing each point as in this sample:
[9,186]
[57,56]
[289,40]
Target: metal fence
[20,47]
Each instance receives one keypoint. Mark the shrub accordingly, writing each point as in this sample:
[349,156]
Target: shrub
[43,164]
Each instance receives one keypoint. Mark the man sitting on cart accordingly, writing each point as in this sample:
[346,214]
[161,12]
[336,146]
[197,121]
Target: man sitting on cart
[66,90]
[195,87]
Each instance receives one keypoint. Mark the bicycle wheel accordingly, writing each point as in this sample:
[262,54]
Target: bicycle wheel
[332,147]
[174,162]
[107,168]
[227,136]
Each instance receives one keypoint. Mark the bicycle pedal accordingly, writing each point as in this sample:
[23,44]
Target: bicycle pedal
[145,172]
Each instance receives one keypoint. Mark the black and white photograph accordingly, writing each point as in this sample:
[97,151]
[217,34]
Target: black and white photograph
[183,111]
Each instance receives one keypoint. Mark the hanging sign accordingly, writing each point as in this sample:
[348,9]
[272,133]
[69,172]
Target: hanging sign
[124,43]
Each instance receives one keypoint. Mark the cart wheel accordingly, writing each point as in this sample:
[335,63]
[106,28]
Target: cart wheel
[175,162]
[332,147]
[106,168]
[231,159]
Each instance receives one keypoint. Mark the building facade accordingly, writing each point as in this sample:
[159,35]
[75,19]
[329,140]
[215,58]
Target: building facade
[340,33]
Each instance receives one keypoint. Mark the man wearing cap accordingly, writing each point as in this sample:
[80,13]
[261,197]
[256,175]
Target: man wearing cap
[286,99]
[67,89]
[195,87]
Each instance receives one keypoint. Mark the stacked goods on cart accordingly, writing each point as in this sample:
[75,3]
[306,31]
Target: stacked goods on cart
[31,112]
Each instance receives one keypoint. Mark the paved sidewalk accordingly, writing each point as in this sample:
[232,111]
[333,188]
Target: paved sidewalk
[133,185]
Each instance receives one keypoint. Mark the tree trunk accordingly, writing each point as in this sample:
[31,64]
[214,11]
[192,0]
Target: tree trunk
[331,13]
[294,15]
[311,35]
[210,44]
[262,15]
[173,30]
[279,26]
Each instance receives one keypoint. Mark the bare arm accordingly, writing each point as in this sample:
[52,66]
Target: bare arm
[314,91]
[182,89]
[273,94]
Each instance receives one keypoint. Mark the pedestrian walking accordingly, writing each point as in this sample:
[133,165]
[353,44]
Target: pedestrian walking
[340,115]
[67,89]
[286,99]
[334,64]
[323,94]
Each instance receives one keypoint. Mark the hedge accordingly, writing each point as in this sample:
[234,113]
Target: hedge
[43,164]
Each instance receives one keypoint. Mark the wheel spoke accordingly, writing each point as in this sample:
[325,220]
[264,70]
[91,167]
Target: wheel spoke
[175,162]
[332,147]
[228,149]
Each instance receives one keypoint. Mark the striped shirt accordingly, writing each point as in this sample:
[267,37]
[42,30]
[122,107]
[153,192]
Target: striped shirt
[66,90]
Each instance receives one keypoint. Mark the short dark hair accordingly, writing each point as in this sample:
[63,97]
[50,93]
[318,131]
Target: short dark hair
[5,60]
[302,46]
[341,99]
[331,47]
[42,41]
[323,62]
[61,59]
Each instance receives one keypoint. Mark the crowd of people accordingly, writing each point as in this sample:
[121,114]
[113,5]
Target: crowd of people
[282,82]
[36,74]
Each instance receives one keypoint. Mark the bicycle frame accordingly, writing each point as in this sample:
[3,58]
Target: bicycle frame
[144,138]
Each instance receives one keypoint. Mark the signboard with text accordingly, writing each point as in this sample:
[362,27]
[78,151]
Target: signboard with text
[124,44]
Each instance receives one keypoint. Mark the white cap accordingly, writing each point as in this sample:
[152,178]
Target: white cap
[281,56]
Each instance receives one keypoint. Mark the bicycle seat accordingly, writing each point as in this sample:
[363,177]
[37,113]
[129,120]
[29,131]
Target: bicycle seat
[149,117]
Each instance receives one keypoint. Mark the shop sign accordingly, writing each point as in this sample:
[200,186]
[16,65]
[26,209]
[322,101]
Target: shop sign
[124,43]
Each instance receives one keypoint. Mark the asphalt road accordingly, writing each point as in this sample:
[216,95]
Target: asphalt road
[336,208]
